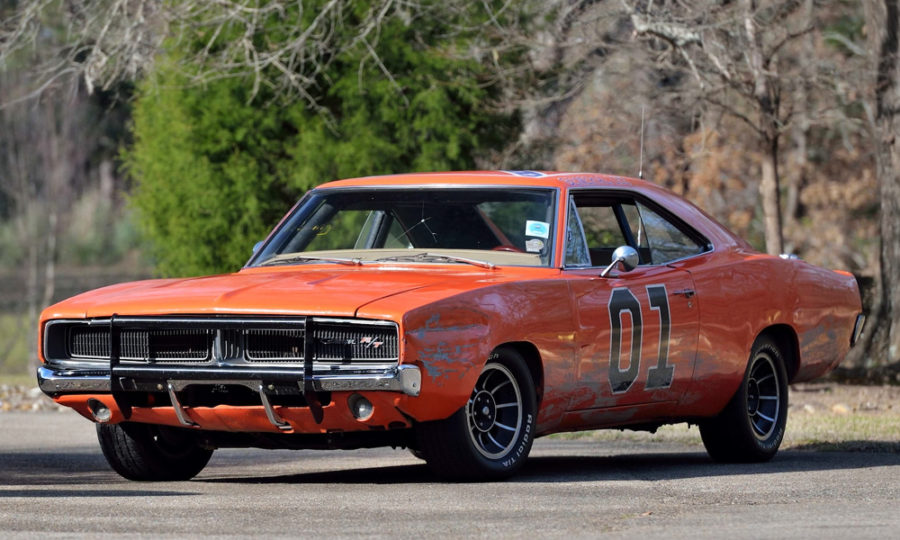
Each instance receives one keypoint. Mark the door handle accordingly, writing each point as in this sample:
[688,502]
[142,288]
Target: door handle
[687,293]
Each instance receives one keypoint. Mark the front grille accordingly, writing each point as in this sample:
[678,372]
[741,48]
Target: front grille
[88,342]
[230,341]
[166,345]
[231,344]
[142,344]
[339,342]
[274,344]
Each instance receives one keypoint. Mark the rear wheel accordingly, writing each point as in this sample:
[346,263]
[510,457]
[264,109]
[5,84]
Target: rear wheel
[751,427]
[151,453]
[490,437]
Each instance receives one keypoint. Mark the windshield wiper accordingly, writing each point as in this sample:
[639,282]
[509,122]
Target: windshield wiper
[423,257]
[300,258]
[455,258]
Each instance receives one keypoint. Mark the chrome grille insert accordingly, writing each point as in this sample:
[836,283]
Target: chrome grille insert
[274,344]
[88,342]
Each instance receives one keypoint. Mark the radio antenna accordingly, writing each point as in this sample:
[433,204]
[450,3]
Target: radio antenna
[641,165]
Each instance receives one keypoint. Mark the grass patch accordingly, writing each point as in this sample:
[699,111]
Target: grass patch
[14,335]
[858,431]
[23,379]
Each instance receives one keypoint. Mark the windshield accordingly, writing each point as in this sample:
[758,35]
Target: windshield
[482,226]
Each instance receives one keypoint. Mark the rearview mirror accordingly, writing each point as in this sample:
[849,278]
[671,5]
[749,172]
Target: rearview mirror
[257,245]
[626,255]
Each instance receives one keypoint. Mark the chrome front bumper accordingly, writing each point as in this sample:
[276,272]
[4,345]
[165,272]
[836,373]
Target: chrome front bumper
[403,378]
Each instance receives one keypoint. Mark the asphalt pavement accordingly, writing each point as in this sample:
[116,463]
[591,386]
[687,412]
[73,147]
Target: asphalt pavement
[54,482]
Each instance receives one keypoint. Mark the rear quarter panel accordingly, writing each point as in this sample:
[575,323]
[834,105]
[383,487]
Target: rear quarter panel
[740,295]
[827,305]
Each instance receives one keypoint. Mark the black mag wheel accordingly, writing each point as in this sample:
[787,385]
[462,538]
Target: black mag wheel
[763,396]
[491,435]
[751,427]
[152,453]
[494,412]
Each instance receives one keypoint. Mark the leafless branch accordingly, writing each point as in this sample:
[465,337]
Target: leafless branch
[107,42]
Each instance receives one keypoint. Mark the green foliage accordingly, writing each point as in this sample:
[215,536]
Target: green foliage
[11,249]
[215,166]
[205,166]
[846,33]
[14,353]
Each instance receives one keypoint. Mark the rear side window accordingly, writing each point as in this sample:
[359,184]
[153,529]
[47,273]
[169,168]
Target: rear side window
[665,241]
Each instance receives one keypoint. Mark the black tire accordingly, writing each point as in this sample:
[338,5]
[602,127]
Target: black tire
[151,453]
[751,427]
[490,437]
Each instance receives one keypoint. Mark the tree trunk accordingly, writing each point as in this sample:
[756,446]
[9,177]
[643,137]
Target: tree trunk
[49,270]
[771,198]
[32,299]
[887,94]
[883,22]
[802,94]
[767,104]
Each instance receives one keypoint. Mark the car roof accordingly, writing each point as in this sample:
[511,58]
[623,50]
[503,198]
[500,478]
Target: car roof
[707,225]
[517,178]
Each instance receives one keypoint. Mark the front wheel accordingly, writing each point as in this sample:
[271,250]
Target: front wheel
[751,427]
[490,437]
[151,453]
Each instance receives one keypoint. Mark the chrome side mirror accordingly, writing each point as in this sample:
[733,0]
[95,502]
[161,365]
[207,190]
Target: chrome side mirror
[627,256]
[257,245]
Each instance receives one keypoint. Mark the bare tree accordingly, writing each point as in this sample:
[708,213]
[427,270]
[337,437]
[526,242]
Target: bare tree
[111,41]
[42,151]
[733,51]
[883,25]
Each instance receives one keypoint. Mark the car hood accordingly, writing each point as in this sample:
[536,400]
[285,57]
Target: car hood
[328,292]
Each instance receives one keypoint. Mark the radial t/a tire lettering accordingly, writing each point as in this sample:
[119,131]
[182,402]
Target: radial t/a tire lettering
[751,427]
[151,453]
[490,437]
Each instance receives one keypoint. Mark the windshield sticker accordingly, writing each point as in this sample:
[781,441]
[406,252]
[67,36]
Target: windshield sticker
[534,245]
[541,229]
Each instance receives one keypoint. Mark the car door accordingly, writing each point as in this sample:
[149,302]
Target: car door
[636,331]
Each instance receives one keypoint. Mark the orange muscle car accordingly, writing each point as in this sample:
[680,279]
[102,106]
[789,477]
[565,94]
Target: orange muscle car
[460,315]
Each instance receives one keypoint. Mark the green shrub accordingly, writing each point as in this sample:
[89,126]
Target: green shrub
[214,167]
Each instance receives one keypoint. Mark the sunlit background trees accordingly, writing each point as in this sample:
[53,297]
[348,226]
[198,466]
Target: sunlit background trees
[142,138]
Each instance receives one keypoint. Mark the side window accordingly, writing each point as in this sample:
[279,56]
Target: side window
[601,228]
[372,235]
[601,225]
[636,226]
[602,222]
[666,241]
[396,237]
[576,248]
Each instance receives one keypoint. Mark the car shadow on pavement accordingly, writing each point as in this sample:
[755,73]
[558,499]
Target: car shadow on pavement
[44,468]
[395,474]
[39,475]
[673,466]
[53,468]
[652,466]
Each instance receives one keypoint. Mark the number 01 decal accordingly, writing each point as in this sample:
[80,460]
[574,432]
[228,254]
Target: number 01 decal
[659,376]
